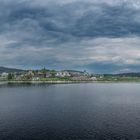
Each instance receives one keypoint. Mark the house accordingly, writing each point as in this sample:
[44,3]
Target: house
[19,76]
[39,75]
[79,73]
[76,73]
[62,74]
[48,75]
[93,78]
[4,75]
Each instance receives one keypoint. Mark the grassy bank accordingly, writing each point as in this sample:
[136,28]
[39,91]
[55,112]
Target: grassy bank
[67,80]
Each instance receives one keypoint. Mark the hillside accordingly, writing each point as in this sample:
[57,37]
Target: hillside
[8,70]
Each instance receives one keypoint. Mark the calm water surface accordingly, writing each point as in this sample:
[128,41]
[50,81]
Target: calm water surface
[70,112]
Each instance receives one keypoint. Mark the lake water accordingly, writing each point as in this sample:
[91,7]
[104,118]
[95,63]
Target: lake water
[70,112]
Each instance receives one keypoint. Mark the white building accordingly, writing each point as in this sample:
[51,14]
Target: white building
[4,74]
[62,74]
[93,78]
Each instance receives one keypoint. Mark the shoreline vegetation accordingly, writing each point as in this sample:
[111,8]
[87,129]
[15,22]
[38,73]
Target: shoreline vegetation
[46,76]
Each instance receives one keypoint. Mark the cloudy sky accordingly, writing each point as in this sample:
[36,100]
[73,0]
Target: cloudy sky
[101,36]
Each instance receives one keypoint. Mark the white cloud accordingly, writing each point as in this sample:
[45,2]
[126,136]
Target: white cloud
[120,51]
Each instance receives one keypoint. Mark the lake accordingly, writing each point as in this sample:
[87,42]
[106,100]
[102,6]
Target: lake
[92,111]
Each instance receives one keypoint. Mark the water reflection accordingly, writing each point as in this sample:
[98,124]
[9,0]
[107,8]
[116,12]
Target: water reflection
[70,111]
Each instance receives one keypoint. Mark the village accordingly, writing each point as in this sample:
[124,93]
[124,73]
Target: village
[48,75]
[44,75]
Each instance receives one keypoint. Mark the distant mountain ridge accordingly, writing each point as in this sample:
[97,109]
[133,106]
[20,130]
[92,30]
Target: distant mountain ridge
[131,74]
[9,70]
[74,71]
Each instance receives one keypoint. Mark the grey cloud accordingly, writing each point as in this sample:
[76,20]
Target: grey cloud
[91,53]
[73,20]
[70,34]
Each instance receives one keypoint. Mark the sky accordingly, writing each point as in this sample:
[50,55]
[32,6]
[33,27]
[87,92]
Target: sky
[100,36]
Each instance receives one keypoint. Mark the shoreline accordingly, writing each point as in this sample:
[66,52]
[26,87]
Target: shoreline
[62,82]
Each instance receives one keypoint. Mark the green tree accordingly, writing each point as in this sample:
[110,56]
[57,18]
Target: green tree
[43,70]
[10,76]
[53,73]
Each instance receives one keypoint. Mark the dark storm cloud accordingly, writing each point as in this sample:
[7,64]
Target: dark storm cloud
[77,19]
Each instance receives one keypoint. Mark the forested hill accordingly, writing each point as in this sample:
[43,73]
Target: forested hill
[9,70]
